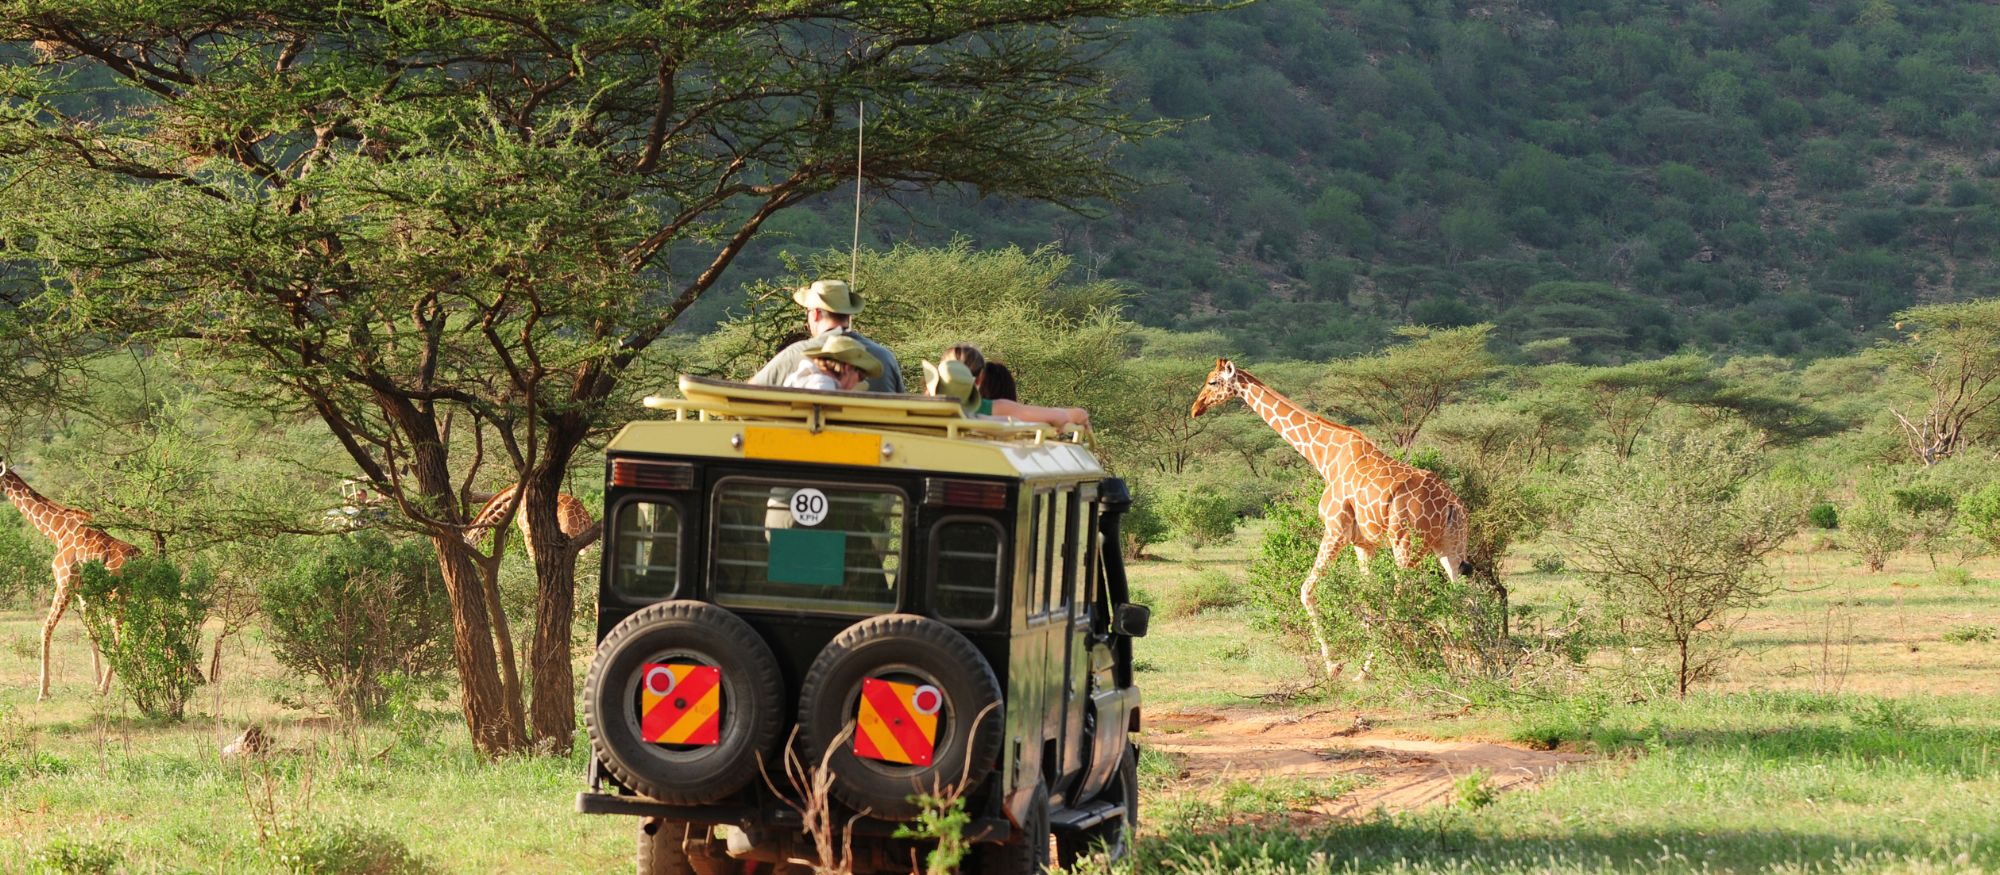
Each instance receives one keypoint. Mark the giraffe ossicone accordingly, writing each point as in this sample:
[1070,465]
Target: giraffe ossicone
[1370,498]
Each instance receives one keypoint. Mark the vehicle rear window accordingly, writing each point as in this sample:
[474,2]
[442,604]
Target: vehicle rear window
[816,547]
[647,539]
[966,569]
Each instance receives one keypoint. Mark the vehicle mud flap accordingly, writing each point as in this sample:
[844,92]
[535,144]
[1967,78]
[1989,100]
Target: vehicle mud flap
[732,708]
[912,665]
[1026,853]
[1113,839]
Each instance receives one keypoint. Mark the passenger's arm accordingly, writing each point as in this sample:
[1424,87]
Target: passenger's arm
[1056,416]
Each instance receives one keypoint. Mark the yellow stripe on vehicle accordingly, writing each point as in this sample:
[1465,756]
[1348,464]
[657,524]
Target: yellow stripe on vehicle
[826,447]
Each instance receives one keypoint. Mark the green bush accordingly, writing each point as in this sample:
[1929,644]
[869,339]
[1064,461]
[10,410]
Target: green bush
[1210,590]
[156,649]
[1874,527]
[24,560]
[1824,516]
[1970,634]
[1142,526]
[1201,516]
[70,856]
[1979,515]
[345,849]
[358,611]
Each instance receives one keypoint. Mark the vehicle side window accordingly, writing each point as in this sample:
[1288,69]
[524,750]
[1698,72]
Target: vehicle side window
[965,568]
[792,546]
[646,541]
[1038,536]
[1070,546]
[1054,543]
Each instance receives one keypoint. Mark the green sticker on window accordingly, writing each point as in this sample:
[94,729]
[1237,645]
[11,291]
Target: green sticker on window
[808,556]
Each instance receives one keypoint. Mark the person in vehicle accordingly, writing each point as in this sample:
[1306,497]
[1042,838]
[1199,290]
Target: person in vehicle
[834,362]
[993,383]
[831,306]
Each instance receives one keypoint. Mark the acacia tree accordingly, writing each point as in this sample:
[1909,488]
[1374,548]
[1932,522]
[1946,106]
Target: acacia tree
[436,225]
[1955,350]
[1675,536]
[1403,386]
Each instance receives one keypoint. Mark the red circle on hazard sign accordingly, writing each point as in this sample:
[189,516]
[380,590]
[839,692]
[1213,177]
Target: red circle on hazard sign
[659,680]
[927,699]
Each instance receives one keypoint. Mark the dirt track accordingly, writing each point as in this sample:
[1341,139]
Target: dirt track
[1215,747]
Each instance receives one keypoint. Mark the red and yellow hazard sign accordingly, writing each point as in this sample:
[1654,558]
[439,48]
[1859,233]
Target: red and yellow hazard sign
[680,704]
[898,722]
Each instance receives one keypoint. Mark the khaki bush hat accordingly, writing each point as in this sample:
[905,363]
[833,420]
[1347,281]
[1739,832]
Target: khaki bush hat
[833,296]
[846,350]
[952,379]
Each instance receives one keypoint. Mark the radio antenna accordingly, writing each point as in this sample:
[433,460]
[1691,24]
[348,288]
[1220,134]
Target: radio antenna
[854,263]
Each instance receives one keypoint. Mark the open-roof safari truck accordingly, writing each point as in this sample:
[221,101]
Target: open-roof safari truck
[923,602]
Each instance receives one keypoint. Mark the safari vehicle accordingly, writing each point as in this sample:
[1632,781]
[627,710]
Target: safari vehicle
[922,602]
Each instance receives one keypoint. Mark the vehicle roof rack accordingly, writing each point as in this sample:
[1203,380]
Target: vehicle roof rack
[709,399]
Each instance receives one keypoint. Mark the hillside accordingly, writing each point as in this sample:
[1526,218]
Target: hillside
[1604,181]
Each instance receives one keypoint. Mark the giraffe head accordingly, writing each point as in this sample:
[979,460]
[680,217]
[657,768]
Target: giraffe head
[1224,383]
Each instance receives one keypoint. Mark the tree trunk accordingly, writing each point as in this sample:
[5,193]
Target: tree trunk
[552,711]
[1684,669]
[487,713]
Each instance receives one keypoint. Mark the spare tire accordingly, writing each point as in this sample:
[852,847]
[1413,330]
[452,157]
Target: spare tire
[684,633]
[917,652]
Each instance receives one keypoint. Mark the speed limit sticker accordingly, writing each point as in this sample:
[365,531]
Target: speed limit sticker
[808,507]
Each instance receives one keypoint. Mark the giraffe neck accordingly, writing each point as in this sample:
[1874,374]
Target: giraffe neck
[53,520]
[1324,444]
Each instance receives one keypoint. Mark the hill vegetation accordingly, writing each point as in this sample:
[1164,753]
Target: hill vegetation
[1604,181]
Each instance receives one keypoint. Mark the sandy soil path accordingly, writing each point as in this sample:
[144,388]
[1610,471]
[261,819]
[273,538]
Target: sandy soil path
[1215,747]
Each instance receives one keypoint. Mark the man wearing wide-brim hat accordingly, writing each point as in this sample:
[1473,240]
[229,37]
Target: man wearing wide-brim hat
[830,307]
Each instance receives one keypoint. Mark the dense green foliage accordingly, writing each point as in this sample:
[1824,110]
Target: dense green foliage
[24,560]
[1603,181]
[155,648]
[356,612]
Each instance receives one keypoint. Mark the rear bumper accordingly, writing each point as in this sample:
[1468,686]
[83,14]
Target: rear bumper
[984,829]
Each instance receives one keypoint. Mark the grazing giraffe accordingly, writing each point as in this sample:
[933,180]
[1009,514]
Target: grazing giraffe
[1370,497]
[76,542]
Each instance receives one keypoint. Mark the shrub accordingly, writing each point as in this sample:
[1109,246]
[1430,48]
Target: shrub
[1201,516]
[70,856]
[156,649]
[1210,590]
[1824,516]
[1548,563]
[1953,577]
[1674,537]
[356,612]
[344,849]
[1970,634]
[1142,525]
[1876,529]
[1979,515]
[24,560]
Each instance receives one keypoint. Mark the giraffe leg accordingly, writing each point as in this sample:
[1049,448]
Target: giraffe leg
[56,608]
[1328,548]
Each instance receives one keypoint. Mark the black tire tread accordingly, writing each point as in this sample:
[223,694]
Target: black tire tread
[763,681]
[983,749]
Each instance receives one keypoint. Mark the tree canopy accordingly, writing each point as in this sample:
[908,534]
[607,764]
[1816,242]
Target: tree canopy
[449,230]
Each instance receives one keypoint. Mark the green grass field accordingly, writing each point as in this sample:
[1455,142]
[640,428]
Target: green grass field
[1859,730]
